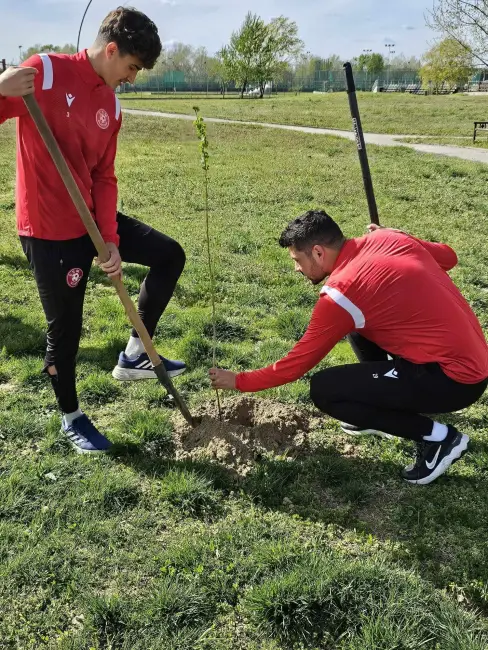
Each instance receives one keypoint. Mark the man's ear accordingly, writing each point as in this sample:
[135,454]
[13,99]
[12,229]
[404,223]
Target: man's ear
[318,251]
[111,49]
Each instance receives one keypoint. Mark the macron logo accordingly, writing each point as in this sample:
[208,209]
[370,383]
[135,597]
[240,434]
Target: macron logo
[393,374]
[70,99]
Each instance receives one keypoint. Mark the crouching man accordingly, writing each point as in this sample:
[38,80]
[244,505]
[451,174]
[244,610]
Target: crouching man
[420,346]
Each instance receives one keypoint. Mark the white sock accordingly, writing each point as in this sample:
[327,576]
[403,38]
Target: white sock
[134,348]
[69,417]
[439,433]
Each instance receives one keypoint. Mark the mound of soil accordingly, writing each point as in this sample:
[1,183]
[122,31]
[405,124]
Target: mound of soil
[250,428]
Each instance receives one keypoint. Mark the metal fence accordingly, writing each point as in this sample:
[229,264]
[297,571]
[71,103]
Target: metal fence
[323,81]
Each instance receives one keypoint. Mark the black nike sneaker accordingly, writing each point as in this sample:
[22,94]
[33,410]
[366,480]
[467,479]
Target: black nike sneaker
[434,458]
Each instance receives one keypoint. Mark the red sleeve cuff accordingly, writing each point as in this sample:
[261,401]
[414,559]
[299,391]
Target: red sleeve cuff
[111,239]
[239,378]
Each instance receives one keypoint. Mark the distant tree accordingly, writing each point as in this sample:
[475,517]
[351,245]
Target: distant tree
[280,45]
[260,52]
[333,63]
[305,64]
[178,56]
[448,62]
[401,62]
[310,65]
[220,67]
[372,63]
[199,63]
[243,50]
[68,48]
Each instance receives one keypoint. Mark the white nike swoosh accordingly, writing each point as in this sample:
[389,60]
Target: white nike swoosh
[434,462]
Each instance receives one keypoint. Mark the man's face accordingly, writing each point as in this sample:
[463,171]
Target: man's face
[119,69]
[315,264]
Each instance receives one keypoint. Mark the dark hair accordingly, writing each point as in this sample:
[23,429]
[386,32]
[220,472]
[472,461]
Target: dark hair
[312,228]
[134,33]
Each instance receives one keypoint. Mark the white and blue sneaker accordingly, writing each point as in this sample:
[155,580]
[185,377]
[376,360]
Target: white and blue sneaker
[142,368]
[85,437]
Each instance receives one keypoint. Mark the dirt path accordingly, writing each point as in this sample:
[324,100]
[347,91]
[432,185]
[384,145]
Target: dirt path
[383,140]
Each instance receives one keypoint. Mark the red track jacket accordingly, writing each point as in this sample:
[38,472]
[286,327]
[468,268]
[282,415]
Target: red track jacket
[394,290]
[85,117]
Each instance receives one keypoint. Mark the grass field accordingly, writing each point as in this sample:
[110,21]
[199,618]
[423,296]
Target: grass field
[458,141]
[138,551]
[380,113]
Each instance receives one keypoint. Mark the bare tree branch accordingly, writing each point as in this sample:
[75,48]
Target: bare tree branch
[465,21]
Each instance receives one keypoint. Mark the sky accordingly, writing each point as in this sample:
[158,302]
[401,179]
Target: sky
[343,27]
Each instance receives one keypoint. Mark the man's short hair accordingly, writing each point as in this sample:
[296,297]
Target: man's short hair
[313,228]
[134,33]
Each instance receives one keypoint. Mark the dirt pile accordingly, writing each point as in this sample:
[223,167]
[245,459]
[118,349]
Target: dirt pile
[250,429]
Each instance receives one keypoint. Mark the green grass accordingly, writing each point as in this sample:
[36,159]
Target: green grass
[457,141]
[380,113]
[139,551]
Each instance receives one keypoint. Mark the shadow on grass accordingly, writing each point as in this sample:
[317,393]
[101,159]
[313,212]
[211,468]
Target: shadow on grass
[15,261]
[146,462]
[439,529]
[18,337]
[136,272]
[104,357]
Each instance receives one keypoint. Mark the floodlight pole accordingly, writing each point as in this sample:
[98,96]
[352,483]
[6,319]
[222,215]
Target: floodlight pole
[81,26]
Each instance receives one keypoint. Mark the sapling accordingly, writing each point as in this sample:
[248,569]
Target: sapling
[201,128]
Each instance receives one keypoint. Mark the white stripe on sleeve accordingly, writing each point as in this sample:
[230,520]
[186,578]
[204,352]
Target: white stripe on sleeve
[47,65]
[345,303]
[117,108]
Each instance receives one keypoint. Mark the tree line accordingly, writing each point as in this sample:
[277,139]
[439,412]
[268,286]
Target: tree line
[259,52]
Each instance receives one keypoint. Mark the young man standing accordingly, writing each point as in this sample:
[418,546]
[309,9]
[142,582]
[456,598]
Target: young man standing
[76,94]
[421,346]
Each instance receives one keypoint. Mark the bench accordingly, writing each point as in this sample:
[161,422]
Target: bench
[479,126]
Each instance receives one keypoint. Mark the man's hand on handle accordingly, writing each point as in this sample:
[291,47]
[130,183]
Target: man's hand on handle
[113,267]
[17,82]
[374,226]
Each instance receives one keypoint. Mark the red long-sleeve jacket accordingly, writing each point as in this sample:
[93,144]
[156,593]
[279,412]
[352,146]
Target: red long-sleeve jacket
[394,290]
[85,117]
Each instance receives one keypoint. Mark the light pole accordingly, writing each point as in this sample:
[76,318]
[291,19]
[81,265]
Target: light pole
[368,53]
[390,52]
[171,61]
[308,65]
[206,74]
[20,53]
[81,25]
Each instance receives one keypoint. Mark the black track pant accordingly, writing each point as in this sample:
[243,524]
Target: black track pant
[61,271]
[389,395]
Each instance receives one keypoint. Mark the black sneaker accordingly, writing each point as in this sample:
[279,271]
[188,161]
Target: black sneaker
[357,431]
[434,458]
